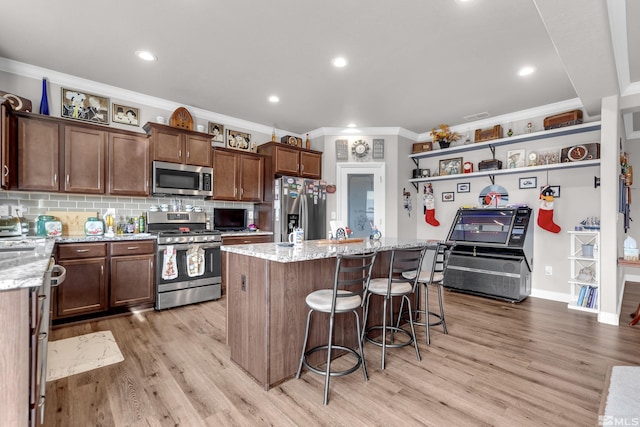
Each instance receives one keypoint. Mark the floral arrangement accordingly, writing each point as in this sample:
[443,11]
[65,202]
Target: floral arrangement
[444,135]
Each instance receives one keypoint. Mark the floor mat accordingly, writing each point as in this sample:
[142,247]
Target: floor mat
[83,353]
[623,397]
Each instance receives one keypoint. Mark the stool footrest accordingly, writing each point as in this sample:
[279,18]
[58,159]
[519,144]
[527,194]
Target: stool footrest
[332,373]
[390,329]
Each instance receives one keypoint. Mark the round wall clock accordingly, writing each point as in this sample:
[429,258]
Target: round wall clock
[292,141]
[360,148]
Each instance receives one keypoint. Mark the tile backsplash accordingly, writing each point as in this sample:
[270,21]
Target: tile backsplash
[34,204]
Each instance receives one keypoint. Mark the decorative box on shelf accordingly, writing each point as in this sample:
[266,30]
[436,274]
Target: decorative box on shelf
[568,118]
[488,134]
[421,147]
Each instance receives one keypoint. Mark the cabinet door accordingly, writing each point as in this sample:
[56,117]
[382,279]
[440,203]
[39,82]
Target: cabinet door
[38,151]
[84,162]
[251,178]
[225,178]
[245,240]
[198,150]
[286,161]
[4,147]
[129,164]
[84,290]
[167,145]
[310,165]
[132,280]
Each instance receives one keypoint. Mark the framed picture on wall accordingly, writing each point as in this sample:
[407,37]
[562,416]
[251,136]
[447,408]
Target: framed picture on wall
[528,182]
[85,106]
[217,130]
[463,187]
[125,115]
[239,140]
[448,196]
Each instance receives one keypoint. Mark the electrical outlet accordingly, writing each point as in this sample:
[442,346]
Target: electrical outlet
[243,283]
[548,270]
[333,215]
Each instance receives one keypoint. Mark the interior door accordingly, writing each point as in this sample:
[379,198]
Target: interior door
[361,197]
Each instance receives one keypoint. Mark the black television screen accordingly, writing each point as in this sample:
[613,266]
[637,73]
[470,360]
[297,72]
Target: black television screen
[229,219]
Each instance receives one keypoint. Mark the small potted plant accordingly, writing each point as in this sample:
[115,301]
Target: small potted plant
[443,136]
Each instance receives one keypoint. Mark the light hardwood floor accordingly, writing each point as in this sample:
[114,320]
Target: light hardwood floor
[528,364]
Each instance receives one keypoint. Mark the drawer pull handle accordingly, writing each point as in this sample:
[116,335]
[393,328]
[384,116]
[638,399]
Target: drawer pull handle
[81,251]
[42,336]
[42,297]
[131,248]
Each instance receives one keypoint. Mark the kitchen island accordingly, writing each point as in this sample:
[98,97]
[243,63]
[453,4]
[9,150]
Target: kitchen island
[267,284]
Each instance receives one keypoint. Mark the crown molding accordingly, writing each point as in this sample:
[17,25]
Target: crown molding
[377,131]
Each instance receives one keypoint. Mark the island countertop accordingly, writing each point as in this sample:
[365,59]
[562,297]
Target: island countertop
[318,249]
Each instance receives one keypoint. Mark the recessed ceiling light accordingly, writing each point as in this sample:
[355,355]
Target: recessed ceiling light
[146,55]
[339,62]
[525,71]
[351,125]
[274,99]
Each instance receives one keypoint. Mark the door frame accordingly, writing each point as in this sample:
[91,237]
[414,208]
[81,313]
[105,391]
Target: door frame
[378,170]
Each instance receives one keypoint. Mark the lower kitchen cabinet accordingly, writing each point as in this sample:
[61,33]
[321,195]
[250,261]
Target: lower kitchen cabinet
[84,290]
[104,278]
[132,273]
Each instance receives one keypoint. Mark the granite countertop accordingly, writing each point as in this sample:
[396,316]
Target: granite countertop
[314,249]
[23,262]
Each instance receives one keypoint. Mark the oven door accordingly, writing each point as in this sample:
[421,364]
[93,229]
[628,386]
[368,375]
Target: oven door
[167,267]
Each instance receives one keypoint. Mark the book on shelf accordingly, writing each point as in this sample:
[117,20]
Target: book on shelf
[581,295]
[589,303]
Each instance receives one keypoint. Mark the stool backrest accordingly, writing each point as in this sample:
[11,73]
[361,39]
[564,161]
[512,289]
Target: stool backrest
[404,261]
[353,273]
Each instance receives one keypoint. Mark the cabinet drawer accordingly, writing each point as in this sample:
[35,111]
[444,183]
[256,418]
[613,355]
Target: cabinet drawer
[133,247]
[244,240]
[81,250]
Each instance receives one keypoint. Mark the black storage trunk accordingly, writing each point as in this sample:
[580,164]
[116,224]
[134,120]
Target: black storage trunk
[492,253]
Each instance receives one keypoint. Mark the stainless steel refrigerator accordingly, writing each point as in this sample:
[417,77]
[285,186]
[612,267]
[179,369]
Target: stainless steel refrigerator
[299,202]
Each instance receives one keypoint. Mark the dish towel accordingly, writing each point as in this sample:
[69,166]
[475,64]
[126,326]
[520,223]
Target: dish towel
[169,270]
[195,261]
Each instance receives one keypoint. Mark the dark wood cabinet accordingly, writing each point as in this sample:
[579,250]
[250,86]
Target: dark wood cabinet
[132,280]
[175,145]
[129,163]
[84,290]
[286,160]
[237,176]
[84,159]
[310,165]
[38,153]
[6,168]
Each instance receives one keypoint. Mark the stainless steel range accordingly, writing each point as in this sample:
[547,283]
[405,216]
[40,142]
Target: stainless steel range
[188,260]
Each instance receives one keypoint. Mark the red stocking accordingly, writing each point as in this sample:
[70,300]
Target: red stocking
[545,217]
[430,209]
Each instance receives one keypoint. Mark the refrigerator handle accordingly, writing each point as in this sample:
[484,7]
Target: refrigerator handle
[304,215]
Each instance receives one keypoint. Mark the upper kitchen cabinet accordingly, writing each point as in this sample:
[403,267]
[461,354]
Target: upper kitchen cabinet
[5,108]
[237,176]
[129,162]
[291,161]
[169,144]
[38,152]
[84,159]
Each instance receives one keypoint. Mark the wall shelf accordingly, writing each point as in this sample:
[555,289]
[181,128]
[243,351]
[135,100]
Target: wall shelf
[552,133]
[491,145]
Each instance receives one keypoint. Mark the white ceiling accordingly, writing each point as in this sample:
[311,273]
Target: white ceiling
[412,63]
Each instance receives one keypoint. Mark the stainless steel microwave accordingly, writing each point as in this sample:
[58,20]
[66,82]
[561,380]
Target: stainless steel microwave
[182,180]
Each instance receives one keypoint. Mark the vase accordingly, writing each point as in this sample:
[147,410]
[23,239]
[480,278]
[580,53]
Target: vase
[44,101]
[444,144]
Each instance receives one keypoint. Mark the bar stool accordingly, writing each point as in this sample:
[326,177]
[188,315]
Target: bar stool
[352,276]
[402,260]
[434,276]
